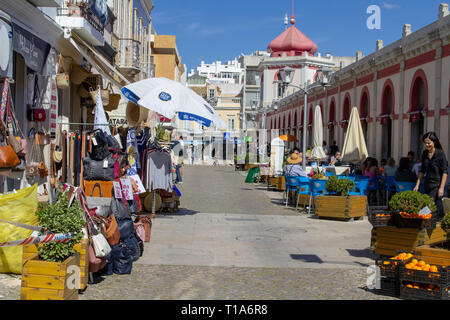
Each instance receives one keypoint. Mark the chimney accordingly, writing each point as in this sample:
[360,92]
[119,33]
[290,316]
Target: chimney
[359,55]
[379,44]
[406,30]
[443,10]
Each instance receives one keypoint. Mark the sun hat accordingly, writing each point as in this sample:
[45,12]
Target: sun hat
[294,159]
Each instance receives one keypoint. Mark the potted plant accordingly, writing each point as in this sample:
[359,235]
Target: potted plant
[408,205]
[50,274]
[338,204]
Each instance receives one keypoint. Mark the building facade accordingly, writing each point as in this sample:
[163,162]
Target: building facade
[216,72]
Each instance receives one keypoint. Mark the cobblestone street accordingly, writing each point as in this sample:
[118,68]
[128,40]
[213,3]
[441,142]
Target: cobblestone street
[237,241]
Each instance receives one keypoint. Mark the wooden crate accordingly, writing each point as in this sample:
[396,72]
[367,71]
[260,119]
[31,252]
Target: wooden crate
[44,280]
[81,248]
[433,255]
[277,182]
[341,207]
[386,241]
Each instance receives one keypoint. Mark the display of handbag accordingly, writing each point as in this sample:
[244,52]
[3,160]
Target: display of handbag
[122,261]
[147,223]
[78,74]
[62,78]
[107,188]
[99,147]
[110,228]
[8,157]
[104,93]
[103,170]
[103,205]
[35,112]
[35,159]
[99,242]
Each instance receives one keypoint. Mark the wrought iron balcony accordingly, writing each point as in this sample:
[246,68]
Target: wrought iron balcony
[129,59]
[80,18]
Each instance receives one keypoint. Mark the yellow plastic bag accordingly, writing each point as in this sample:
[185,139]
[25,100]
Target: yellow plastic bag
[16,207]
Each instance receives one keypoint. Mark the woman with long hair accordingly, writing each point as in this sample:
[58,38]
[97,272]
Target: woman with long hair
[434,170]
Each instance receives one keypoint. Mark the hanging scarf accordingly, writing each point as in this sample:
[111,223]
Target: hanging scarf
[4,98]
[132,153]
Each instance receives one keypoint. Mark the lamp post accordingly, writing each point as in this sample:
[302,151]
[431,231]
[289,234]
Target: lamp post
[286,75]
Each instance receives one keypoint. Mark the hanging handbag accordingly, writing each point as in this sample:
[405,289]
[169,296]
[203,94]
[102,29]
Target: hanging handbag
[99,242]
[147,223]
[104,95]
[110,228]
[34,158]
[62,78]
[102,204]
[114,99]
[35,113]
[99,170]
[43,137]
[100,147]
[8,157]
[140,229]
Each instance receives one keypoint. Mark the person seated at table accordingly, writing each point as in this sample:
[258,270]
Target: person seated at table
[390,168]
[336,160]
[372,170]
[403,172]
[293,167]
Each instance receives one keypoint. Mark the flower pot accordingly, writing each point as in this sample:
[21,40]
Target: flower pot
[30,250]
[45,280]
[341,207]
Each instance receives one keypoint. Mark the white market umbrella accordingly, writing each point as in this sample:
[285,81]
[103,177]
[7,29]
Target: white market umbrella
[355,149]
[168,98]
[317,151]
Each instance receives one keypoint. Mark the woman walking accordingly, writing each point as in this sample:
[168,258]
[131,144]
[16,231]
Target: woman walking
[434,170]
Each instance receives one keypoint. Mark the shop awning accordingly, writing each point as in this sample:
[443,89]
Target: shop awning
[97,60]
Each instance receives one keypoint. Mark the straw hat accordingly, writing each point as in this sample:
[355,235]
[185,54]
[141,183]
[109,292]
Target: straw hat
[148,201]
[135,114]
[294,159]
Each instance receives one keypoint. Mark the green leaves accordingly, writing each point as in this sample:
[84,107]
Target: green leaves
[340,187]
[59,218]
[411,202]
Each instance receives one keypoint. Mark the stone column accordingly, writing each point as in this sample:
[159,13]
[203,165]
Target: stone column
[401,110]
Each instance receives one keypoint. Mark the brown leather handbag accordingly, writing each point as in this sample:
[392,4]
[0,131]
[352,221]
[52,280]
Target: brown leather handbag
[112,230]
[8,157]
[147,221]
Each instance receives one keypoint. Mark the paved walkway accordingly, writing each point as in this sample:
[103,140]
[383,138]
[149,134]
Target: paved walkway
[234,240]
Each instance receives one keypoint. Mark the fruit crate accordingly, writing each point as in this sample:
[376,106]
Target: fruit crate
[390,270]
[389,287]
[429,224]
[378,221]
[440,278]
[423,294]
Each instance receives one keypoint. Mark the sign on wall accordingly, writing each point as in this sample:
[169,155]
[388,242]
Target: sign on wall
[33,49]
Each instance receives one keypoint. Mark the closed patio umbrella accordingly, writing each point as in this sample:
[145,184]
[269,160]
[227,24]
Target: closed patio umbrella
[317,151]
[355,149]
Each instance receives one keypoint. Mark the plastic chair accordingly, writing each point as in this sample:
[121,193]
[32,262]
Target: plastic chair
[388,187]
[317,187]
[304,189]
[360,188]
[401,186]
[347,177]
[291,184]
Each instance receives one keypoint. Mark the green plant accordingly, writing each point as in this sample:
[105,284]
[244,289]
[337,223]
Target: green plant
[58,217]
[445,225]
[411,202]
[340,187]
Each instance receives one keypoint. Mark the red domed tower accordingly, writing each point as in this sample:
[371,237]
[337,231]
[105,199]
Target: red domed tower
[292,42]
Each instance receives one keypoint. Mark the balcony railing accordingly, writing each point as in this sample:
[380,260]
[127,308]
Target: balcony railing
[129,59]
[81,9]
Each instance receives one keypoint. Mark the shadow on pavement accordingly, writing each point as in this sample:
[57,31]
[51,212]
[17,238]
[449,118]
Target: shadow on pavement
[312,258]
[361,253]
[181,212]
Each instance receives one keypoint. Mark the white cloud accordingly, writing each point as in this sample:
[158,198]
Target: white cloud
[390,6]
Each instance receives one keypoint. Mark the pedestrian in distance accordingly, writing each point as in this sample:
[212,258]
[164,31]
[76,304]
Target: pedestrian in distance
[403,173]
[334,148]
[434,170]
[411,155]
[390,168]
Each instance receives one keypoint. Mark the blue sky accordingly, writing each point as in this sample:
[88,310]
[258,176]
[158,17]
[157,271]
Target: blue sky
[211,30]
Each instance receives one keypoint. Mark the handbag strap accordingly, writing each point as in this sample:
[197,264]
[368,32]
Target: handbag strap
[61,63]
[99,186]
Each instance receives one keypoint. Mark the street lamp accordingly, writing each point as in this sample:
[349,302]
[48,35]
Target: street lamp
[287,75]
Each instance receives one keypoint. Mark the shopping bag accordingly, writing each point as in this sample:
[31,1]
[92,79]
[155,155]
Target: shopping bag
[17,207]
